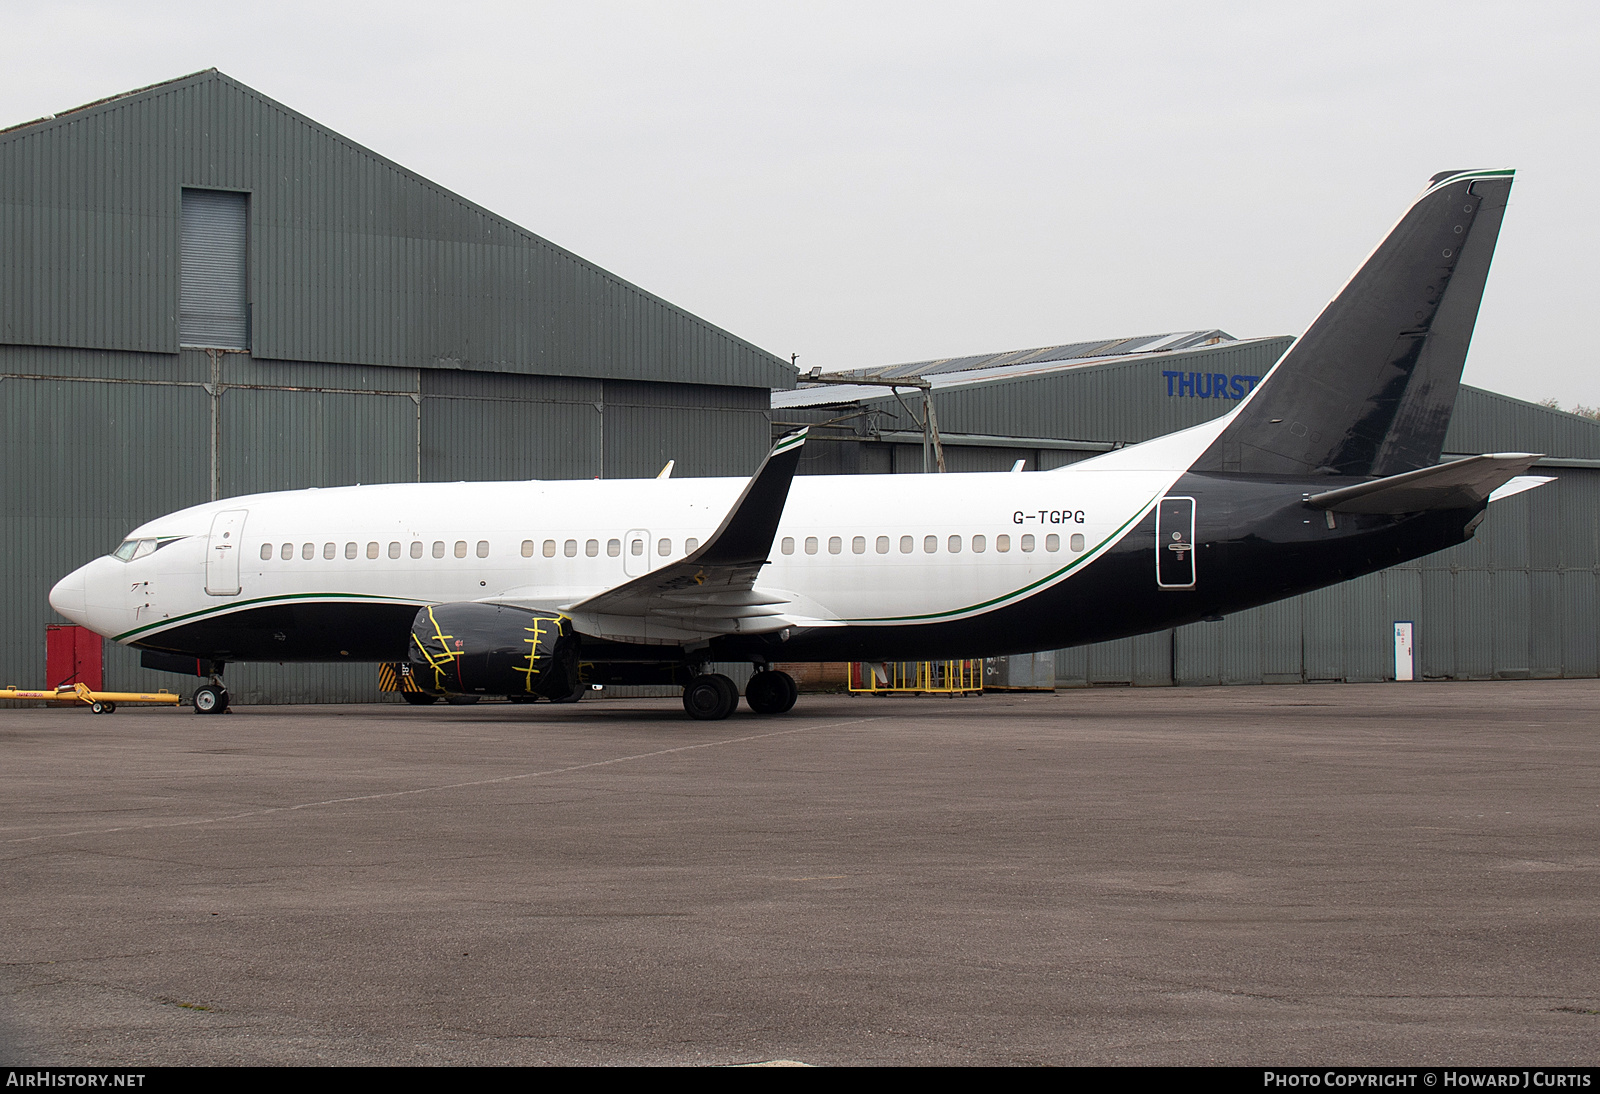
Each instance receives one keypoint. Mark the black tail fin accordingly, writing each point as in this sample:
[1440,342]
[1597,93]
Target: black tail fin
[1369,388]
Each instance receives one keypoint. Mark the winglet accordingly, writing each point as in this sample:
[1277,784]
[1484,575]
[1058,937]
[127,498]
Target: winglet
[708,591]
[745,534]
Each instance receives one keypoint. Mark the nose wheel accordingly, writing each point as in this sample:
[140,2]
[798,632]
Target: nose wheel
[210,699]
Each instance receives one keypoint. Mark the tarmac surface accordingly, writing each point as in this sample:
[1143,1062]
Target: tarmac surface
[1336,874]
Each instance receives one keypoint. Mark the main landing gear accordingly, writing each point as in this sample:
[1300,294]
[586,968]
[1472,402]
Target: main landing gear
[711,697]
[211,698]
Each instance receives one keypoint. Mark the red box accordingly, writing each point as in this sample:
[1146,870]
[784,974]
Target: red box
[73,655]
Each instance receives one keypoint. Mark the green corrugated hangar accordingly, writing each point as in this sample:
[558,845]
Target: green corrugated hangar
[203,293]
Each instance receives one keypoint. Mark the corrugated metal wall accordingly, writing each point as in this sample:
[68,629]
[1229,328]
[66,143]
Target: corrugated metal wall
[1517,601]
[353,259]
[95,443]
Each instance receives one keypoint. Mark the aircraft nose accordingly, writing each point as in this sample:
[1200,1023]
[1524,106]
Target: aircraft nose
[69,597]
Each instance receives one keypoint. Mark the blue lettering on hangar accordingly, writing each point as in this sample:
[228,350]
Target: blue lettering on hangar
[1209,385]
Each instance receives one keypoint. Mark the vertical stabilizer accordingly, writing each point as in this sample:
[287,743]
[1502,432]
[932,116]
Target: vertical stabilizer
[1370,386]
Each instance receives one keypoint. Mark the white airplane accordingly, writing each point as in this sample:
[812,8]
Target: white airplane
[1326,471]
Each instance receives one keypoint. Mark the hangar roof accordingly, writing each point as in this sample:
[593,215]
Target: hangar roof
[951,372]
[352,258]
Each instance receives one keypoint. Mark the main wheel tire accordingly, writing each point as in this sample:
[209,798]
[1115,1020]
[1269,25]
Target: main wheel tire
[419,698]
[710,698]
[210,699]
[578,692]
[791,691]
[770,692]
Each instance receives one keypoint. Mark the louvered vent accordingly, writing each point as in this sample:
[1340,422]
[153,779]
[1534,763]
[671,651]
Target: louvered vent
[213,309]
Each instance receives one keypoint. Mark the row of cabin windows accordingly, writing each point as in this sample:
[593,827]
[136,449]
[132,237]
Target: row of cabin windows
[591,547]
[353,550]
[930,544]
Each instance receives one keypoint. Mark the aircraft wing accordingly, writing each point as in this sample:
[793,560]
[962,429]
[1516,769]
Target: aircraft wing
[710,591]
[1460,484]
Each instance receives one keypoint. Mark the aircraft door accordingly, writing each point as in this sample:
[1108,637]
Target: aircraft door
[636,553]
[1175,543]
[222,553]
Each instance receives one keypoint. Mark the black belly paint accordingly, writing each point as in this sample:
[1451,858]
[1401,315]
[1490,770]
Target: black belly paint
[1255,541]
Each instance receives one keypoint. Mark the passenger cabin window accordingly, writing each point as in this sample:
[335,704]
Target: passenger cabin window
[592,548]
[549,548]
[664,548]
[329,550]
[571,549]
[349,550]
[613,547]
[1002,544]
[689,545]
[438,548]
[483,548]
[1076,542]
[461,548]
[266,551]
[907,544]
[883,545]
[978,544]
[788,545]
[811,545]
[835,545]
[286,552]
[1027,542]
[372,550]
[636,547]
[930,544]
[527,549]
[1052,542]
[394,549]
[859,545]
[954,546]
[308,550]
[416,548]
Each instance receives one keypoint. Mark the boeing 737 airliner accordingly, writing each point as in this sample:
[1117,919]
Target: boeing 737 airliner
[1329,469]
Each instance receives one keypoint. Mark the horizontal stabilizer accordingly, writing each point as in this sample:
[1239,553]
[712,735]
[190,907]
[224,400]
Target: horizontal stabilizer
[1461,484]
[1518,485]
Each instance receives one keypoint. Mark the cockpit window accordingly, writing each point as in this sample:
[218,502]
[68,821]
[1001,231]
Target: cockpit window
[138,548]
[134,548]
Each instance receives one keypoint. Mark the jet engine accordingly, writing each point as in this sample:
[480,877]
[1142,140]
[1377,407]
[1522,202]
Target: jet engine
[491,649]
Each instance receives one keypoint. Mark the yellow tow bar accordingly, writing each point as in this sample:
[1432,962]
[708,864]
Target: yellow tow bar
[100,702]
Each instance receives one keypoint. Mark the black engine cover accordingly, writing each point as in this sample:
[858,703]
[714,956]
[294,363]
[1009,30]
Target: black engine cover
[490,649]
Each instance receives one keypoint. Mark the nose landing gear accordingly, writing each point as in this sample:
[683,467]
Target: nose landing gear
[211,698]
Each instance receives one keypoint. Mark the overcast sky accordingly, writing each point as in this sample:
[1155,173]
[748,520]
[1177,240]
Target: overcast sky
[869,183]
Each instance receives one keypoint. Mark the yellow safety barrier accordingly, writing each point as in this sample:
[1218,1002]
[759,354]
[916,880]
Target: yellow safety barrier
[99,702]
[917,677]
